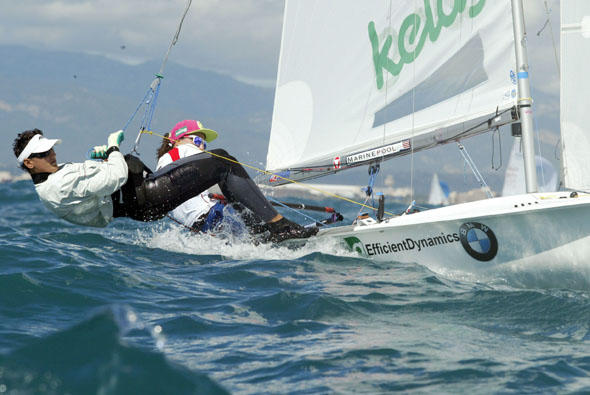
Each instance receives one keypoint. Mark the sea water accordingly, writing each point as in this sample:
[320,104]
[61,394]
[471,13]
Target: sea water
[152,308]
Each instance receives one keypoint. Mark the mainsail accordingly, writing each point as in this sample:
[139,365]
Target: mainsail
[364,81]
[575,85]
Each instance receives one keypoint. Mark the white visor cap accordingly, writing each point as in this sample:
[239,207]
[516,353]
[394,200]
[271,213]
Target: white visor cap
[36,145]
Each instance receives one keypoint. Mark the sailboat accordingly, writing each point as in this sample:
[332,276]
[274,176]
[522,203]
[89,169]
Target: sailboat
[439,192]
[363,82]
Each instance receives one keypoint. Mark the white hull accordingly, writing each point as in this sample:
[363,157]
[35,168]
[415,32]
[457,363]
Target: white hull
[543,228]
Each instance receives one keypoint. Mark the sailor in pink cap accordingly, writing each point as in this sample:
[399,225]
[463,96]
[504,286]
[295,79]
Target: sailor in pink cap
[188,138]
[187,141]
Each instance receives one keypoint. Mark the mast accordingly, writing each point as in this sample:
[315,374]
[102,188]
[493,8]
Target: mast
[524,97]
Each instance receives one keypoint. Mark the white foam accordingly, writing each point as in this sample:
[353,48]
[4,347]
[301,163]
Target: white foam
[172,237]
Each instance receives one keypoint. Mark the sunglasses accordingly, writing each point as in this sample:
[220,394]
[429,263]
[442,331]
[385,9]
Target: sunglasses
[41,154]
[198,141]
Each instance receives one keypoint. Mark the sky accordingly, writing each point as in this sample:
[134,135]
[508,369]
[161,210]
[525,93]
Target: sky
[236,37]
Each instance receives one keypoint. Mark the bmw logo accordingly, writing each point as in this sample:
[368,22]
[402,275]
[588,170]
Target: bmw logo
[479,241]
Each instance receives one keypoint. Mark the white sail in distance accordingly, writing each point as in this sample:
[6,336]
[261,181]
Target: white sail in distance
[361,81]
[575,86]
[438,196]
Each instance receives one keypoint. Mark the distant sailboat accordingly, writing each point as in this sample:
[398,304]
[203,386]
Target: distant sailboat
[439,192]
[362,82]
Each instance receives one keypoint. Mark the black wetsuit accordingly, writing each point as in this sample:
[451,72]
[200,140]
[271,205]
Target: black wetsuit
[150,196]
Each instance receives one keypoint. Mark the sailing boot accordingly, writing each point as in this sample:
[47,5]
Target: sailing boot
[284,229]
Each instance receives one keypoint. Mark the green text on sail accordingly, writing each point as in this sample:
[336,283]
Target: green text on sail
[409,30]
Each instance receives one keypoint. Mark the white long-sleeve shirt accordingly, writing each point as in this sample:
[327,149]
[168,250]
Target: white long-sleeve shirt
[189,211]
[81,192]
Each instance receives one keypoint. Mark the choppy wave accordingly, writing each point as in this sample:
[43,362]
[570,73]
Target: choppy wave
[150,308]
[91,358]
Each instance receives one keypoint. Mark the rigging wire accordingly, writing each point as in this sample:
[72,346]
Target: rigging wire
[474,169]
[416,23]
[175,38]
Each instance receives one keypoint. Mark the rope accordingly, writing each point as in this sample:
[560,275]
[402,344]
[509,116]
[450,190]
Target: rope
[150,100]
[373,171]
[150,132]
[460,135]
[136,110]
[152,108]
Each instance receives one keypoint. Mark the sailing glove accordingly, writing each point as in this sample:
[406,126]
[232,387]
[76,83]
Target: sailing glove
[103,151]
[99,152]
[115,139]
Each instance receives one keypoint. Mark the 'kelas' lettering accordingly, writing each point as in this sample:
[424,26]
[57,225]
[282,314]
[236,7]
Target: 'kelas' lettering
[410,244]
[410,35]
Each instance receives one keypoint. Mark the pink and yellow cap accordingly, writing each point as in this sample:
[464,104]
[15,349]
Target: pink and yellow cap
[189,126]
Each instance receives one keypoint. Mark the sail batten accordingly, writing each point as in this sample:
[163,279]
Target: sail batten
[366,81]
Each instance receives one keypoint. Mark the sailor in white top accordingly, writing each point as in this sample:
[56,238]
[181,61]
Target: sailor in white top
[77,192]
